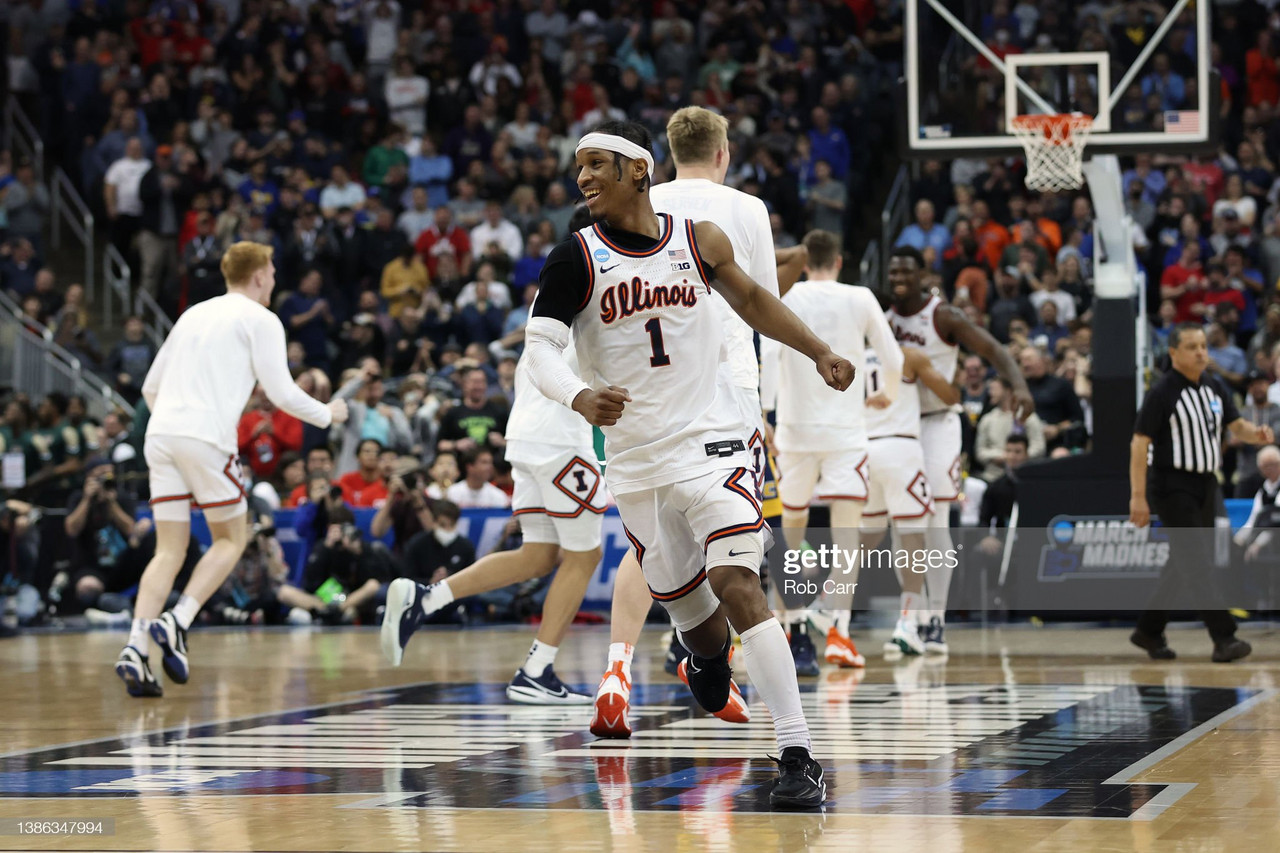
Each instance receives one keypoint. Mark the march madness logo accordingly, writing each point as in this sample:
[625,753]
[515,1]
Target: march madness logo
[1102,546]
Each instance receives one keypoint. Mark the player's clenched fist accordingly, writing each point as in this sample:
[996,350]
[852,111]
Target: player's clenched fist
[836,371]
[601,406]
[338,408]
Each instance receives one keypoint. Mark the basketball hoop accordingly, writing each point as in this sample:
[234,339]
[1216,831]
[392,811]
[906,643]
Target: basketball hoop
[1055,149]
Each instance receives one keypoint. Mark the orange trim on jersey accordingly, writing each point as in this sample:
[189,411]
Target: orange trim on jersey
[528,510]
[682,591]
[231,502]
[635,543]
[733,484]
[842,498]
[875,514]
[646,254]
[168,498]
[697,256]
[723,532]
[583,503]
[895,435]
[907,517]
[794,508]
[591,270]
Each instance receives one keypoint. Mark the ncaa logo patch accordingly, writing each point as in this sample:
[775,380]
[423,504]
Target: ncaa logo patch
[602,255]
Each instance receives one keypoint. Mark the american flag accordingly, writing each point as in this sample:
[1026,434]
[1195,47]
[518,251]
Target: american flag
[1182,121]
[677,254]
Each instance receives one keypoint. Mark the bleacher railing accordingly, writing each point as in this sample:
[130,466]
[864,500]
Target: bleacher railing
[895,215]
[116,277]
[31,362]
[154,318]
[23,139]
[68,209]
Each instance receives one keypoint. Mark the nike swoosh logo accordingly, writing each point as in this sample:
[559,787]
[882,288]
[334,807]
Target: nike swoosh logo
[738,553]
[604,269]
[693,667]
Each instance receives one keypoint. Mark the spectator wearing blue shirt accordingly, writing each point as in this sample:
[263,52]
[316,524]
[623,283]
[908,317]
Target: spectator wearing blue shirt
[307,318]
[926,231]
[1171,88]
[431,169]
[258,191]
[829,143]
[480,321]
[529,266]
[1225,358]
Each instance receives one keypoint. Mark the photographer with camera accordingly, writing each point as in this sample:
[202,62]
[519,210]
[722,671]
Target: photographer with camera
[250,594]
[406,511]
[109,548]
[343,577]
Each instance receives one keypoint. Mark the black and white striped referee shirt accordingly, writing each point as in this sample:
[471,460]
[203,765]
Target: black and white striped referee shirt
[1184,421]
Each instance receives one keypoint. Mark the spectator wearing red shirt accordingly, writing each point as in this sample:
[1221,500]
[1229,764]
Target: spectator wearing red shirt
[1219,290]
[319,461]
[450,239]
[365,485]
[264,433]
[1260,69]
[1186,285]
[991,236]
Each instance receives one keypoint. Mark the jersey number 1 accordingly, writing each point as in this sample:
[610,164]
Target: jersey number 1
[659,357]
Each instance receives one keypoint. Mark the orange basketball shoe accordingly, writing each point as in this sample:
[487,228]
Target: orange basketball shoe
[613,702]
[735,710]
[841,650]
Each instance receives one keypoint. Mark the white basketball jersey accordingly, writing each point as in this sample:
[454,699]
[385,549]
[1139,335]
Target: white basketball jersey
[902,418]
[539,428]
[919,330]
[745,221]
[811,415]
[649,325]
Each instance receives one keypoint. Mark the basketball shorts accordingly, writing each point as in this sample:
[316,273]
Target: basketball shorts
[682,530]
[187,472]
[941,439]
[764,471]
[560,502]
[834,475]
[897,485]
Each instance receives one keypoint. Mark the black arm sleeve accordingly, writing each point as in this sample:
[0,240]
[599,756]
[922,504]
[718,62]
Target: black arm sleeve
[563,283]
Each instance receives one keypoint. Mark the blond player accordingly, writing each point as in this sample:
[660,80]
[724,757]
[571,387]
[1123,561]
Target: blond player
[700,148]
[821,434]
[196,389]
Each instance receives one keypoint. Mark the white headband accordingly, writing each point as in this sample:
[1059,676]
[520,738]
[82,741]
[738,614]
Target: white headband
[625,147]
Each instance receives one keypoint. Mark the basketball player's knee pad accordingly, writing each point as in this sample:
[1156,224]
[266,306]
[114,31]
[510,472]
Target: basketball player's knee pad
[693,608]
[740,549]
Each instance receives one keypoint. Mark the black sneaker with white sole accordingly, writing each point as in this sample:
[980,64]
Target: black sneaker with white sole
[709,679]
[800,784]
[135,671]
[172,640]
[546,689]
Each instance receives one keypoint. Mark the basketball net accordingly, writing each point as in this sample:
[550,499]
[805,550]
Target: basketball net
[1055,149]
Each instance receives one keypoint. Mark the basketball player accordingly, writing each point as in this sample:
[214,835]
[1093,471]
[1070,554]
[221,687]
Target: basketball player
[196,389]
[898,487]
[700,148]
[559,498]
[821,434]
[634,289]
[921,319]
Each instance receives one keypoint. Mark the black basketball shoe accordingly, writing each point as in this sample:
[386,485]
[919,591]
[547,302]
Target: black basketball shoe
[709,679]
[800,784]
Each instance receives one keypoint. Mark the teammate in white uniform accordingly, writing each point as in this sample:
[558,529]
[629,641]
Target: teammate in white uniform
[898,487]
[635,291]
[700,148]
[821,434]
[560,499]
[197,388]
[922,320]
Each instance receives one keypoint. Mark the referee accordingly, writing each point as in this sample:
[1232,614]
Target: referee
[1180,430]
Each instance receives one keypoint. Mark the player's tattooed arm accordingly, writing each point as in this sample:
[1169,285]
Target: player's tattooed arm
[763,311]
[953,325]
[918,366]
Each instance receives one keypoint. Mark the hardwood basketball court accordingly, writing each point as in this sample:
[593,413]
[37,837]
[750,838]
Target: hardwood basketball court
[1024,739]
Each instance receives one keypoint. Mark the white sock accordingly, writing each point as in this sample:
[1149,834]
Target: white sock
[911,603]
[185,611]
[438,595]
[139,636]
[937,581]
[540,657]
[773,672]
[622,652]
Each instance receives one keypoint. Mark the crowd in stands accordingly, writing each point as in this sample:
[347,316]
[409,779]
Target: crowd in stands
[411,165]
